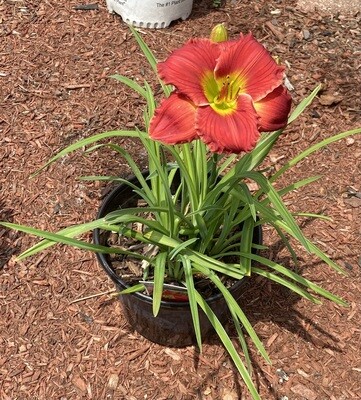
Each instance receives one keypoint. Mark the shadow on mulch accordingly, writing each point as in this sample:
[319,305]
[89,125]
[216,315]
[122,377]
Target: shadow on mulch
[8,242]
[276,303]
[201,9]
[271,302]
[267,301]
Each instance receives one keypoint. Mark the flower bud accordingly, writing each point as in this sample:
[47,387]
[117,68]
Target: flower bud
[219,33]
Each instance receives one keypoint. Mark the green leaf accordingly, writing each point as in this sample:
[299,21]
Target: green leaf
[192,299]
[71,231]
[157,238]
[250,200]
[130,83]
[149,56]
[246,244]
[284,282]
[159,272]
[132,289]
[253,159]
[145,49]
[298,185]
[181,247]
[57,238]
[299,279]
[159,181]
[313,149]
[242,340]
[106,178]
[312,215]
[304,103]
[236,309]
[287,244]
[278,204]
[314,249]
[226,163]
[150,103]
[222,334]
[147,193]
[86,142]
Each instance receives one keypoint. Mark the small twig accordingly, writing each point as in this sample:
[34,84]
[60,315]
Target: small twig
[92,296]
[279,35]
[86,7]
[76,86]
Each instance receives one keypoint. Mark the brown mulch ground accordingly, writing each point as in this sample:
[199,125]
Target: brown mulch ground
[54,89]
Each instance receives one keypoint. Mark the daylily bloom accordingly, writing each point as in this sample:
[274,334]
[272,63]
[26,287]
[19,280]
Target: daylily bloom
[225,94]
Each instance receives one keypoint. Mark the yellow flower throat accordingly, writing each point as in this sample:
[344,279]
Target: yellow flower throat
[222,93]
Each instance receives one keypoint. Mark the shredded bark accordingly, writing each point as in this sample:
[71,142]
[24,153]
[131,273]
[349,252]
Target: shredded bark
[55,63]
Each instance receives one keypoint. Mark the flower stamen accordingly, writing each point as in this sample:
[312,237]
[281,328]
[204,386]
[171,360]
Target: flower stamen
[225,101]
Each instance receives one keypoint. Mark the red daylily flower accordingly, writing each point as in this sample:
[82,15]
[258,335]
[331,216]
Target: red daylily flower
[225,93]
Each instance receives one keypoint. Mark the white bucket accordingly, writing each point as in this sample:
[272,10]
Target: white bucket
[150,13]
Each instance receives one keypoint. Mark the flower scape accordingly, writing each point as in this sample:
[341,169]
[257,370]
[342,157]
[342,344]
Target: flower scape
[224,108]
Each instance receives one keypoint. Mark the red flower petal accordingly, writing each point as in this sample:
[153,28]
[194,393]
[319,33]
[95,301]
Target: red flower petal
[189,67]
[273,109]
[232,132]
[174,120]
[251,65]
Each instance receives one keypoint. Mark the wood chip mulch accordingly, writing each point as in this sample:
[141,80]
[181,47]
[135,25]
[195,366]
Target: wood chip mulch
[55,63]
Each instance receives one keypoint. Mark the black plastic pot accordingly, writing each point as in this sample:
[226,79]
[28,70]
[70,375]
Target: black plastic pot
[173,326]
